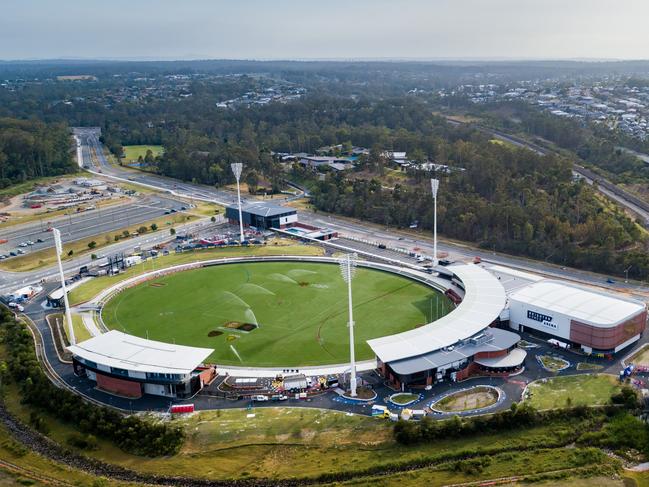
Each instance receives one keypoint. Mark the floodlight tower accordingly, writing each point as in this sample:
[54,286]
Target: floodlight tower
[237,167]
[348,269]
[434,186]
[68,316]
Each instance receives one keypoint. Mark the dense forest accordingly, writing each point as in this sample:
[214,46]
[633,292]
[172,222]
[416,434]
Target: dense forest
[507,200]
[30,149]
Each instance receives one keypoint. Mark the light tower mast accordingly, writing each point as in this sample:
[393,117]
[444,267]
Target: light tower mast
[237,167]
[434,186]
[348,269]
[68,316]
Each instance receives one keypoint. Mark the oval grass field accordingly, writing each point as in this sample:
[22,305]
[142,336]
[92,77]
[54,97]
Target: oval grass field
[273,313]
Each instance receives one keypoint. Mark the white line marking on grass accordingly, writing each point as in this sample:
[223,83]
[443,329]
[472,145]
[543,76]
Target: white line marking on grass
[234,350]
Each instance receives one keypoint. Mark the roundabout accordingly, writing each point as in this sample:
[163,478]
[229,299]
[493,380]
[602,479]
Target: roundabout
[278,312]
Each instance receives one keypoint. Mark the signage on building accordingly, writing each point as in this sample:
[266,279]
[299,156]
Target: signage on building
[541,318]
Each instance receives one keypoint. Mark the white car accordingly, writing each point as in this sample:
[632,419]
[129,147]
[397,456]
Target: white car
[29,242]
[19,307]
[22,244]
[260,398]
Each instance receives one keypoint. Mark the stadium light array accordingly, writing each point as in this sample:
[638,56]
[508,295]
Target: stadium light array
[237,167]
[434,186]
[348,269]
[58,244]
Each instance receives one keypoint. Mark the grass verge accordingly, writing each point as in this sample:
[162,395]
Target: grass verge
[585,389]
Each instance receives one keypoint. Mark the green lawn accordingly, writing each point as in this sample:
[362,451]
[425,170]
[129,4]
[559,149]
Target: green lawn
[590,389]
[300,311]
[132,152]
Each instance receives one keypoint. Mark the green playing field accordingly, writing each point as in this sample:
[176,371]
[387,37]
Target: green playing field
[273,313]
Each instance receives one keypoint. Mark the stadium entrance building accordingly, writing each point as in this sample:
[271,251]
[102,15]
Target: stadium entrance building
[458,345]
[594,321]
[130,366]
[262,216]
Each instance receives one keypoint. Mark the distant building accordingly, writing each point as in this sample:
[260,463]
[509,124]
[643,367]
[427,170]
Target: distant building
[262,216]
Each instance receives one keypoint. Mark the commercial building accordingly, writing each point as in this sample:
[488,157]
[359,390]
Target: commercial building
[131,366]
[457,345]
[595,321]
[262,216]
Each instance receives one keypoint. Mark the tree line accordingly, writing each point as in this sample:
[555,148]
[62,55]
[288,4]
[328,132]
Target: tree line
[31,149]
[130,433]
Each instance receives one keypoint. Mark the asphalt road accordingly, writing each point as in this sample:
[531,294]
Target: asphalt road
[76,226]
[90,143]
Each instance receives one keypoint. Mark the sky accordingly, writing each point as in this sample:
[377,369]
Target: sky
[324,29]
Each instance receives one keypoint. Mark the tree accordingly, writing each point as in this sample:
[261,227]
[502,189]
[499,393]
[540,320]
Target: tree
[213,219]
[70,253]
[172,231]
[252,180]
[142,229]
[92,245]
[148,158]
[154,227]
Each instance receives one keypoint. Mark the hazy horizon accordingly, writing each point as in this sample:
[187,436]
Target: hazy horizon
[409,30]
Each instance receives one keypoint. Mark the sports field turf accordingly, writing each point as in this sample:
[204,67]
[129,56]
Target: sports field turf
[132,152]
[296,312]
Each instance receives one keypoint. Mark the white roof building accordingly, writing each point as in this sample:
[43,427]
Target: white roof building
[484,299]
[584,305]
[128,352]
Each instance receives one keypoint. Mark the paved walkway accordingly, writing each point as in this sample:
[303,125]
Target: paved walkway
[89,323]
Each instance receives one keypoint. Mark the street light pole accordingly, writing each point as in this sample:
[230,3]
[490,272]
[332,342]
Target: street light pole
[626,273]
[68,316]
[237,167]
[434,186]
[347,269]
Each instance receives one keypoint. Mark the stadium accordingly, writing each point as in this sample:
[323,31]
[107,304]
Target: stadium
[268,316]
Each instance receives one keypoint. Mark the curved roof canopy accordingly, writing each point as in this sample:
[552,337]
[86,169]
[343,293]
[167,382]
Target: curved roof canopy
[483,301]
[128,352]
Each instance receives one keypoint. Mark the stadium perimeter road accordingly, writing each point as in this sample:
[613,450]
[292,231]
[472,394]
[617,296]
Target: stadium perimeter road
[77,226]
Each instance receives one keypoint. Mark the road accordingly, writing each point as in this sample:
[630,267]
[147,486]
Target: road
[76,226]
[90,143]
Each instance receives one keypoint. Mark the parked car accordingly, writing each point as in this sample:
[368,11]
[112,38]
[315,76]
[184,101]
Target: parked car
[22,244]
[13,253]
[39,240]
[20,251]
[29,242]
[260,398]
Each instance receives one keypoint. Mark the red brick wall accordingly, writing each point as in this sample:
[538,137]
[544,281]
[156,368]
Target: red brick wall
[494,354]
[607,338]
[119,386]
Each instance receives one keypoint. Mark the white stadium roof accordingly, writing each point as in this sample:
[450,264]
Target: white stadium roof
[483,301]
[117,349]
[584,305]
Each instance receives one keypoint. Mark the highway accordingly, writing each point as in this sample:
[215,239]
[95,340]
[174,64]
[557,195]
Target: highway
[76,226]
[355,229]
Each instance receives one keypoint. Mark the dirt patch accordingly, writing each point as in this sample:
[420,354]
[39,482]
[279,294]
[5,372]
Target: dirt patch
[476,398]
[236,325]
[158,284]
[303,284]
[214,333]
